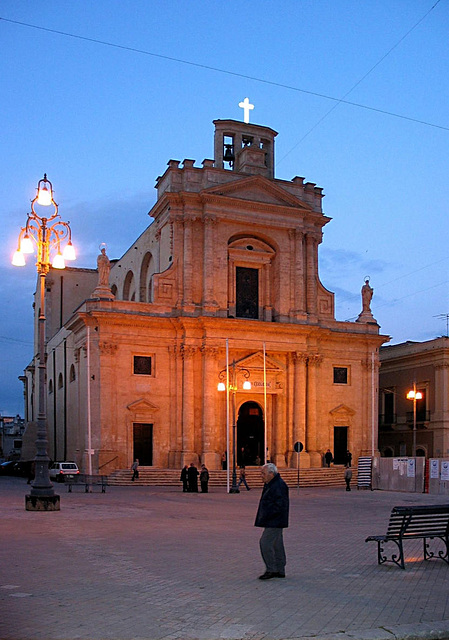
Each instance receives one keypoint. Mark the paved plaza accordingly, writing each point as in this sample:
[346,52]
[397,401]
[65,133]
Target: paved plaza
[150,563]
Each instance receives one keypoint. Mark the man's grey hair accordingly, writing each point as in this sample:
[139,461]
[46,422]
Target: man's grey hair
[271,468]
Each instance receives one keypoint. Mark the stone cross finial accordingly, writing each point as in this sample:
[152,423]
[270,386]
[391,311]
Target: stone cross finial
[247,107]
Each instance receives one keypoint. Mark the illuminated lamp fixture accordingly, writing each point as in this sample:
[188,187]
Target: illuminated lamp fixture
[44,192]
[48,234]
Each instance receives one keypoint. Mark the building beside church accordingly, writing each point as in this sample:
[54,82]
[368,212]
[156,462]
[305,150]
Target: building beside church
[228,268]
[425,365]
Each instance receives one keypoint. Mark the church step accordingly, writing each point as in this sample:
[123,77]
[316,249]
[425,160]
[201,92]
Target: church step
[314,477]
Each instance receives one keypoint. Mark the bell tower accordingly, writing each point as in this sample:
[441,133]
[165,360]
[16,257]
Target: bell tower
[244,148]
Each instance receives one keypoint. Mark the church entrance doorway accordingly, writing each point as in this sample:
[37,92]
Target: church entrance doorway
[143,443]
[340,444]
[250,435]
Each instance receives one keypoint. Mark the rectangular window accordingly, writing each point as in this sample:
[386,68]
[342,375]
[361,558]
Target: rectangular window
[340,375]
[421,407]
[389,406]
[247,293]
[142,365]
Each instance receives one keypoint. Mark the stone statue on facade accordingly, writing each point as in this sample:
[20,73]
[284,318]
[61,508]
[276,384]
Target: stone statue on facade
[103,291]
[367,295]
[104,268]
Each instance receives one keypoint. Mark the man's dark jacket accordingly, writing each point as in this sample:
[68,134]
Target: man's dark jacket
[273,505]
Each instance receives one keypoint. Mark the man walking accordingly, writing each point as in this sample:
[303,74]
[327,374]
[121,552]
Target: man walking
[272,514]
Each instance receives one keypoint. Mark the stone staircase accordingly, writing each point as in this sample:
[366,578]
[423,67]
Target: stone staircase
[315,477]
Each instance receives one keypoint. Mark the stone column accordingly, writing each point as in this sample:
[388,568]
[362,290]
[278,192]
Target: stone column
[231,288]
[210,438]
[175,409]
[268,306]
[363,445]
[300,306]
[311,429]
[209,304]
[188,414]
[312,274]
[187,298]
[280,431]
[299,403]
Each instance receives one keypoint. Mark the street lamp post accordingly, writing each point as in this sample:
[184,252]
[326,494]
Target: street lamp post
[46,235]
[414,395]
[230,375]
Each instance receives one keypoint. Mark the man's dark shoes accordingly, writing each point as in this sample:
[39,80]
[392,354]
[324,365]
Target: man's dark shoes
[271,574]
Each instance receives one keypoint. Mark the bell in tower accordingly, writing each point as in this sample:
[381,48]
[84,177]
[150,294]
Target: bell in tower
[243,147]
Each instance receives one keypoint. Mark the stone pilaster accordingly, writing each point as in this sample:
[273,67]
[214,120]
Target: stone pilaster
[312,274]
[187,298]
[299,286]
[299,401]
[210,457]
[209,303]
[370,404]
[188,408]
[314,362]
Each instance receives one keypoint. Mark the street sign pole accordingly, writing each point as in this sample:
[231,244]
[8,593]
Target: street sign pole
[298,447]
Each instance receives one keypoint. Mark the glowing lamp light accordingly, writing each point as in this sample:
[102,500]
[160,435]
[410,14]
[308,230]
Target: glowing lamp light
[44,196]
[18,259]
[26,244]
[414,395]
[247,385]
[221,386]
[69,252]
[58,261]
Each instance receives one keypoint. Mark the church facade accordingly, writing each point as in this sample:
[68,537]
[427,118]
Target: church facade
[223,286]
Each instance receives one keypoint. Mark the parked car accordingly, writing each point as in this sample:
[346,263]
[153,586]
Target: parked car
[14,468]
[59,471]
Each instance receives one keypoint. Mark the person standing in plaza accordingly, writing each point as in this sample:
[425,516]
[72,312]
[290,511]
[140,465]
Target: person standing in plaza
[242,478]
[348,458]
[348,477]
[183,478]
[328,457]
[272,515]
[192,478]
[204,479]
[135,469]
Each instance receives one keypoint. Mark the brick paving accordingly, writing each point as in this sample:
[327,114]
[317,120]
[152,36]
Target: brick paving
[152,563]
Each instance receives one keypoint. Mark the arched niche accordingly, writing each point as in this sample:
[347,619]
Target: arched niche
[146,273]
[129,286]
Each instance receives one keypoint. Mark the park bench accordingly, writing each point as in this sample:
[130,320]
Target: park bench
[87,481]
[425,522]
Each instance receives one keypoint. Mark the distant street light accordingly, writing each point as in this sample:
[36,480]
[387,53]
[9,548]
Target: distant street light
[47,238]
[414,395]
[229,375]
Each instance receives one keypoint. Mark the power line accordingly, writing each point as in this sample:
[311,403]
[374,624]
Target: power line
[405,275]
[226,72]
[358,82]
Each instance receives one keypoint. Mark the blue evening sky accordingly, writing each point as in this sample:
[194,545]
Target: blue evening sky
[102,121]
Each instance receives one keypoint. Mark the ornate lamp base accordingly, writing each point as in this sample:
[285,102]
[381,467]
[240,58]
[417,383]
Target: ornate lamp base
[42,503]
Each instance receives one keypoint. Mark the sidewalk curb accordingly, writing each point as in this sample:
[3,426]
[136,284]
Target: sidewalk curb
[422,631]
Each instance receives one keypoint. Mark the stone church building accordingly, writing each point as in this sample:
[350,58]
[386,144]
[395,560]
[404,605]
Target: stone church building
[223,286]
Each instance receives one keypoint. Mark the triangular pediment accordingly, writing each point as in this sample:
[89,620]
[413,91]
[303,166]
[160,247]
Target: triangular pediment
[142,406]
[255,361]
[342,410]
[258,189]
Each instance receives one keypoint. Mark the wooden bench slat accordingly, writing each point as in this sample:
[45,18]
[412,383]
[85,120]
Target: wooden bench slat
[425,522]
